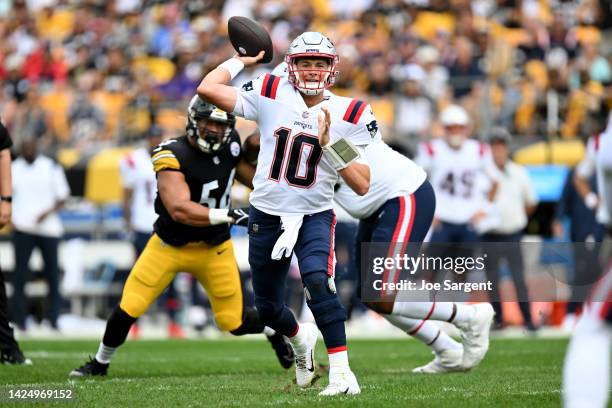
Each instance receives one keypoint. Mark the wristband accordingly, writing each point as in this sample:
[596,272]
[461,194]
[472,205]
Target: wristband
[591,200]
[218,216]
[8,199]
[233,66]
[341,153]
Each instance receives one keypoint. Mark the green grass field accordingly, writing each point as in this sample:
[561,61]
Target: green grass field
[224,373]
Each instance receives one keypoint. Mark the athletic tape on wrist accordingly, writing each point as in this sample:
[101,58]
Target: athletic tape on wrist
[218,216]
[233,66]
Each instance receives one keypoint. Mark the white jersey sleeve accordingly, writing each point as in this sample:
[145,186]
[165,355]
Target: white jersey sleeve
[127,171]
[586,168]
[248,97]
[424,156]
[366,128]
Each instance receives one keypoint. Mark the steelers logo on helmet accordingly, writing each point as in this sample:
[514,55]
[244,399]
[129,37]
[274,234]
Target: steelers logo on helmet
[305,71]
[209,126]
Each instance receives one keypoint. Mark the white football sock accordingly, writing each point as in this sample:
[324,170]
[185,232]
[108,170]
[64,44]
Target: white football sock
[586,375]
[268,331]
[338,360]
[445,342]
[105,353]
[298,341]
[425,331]
[443,311]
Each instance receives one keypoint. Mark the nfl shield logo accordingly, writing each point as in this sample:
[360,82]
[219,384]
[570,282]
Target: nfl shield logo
[305,114]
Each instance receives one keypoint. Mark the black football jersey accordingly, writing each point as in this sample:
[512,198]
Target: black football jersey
[209,177]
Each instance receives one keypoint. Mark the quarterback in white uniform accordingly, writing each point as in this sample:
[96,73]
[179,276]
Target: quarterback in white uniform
[303,154]
[586,377]
[398,209]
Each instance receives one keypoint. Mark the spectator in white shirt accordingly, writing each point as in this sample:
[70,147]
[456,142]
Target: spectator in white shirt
[39,191]
[514,201]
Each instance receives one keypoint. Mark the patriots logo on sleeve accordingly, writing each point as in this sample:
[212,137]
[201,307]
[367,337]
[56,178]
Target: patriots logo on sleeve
[372,128]
[248,86]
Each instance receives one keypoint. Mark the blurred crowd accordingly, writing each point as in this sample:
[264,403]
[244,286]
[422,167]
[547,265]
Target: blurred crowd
[90,73]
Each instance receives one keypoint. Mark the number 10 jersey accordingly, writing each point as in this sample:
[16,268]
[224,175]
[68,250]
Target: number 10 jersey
[293,176]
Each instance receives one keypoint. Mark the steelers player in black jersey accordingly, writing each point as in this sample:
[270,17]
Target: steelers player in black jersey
[195,173]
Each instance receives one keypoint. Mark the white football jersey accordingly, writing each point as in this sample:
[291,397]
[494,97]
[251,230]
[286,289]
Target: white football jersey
[460,177]
[137,173]
[292,175]
[598,160]
[391,175]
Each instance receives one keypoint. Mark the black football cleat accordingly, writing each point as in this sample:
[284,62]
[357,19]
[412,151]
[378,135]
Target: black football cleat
[283,350]
[90,369]
[14,356]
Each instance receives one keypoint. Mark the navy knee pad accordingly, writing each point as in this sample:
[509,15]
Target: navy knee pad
[322,299]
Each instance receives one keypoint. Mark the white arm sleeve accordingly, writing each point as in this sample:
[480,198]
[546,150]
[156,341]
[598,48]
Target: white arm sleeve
[586,168]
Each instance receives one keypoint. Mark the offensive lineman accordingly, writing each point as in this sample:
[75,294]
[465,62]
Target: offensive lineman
[195,173]
[302,156]
[395,211]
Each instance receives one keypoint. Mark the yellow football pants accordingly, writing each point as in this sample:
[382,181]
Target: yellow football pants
[213,266]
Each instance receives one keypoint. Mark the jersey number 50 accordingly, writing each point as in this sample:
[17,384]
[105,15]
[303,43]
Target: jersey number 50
[294,173]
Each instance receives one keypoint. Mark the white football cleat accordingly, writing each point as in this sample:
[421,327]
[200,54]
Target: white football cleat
[447,361]
[341,382]
[304,362]
[475,335]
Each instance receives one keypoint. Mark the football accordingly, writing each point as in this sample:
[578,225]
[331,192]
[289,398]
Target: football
[249,38]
